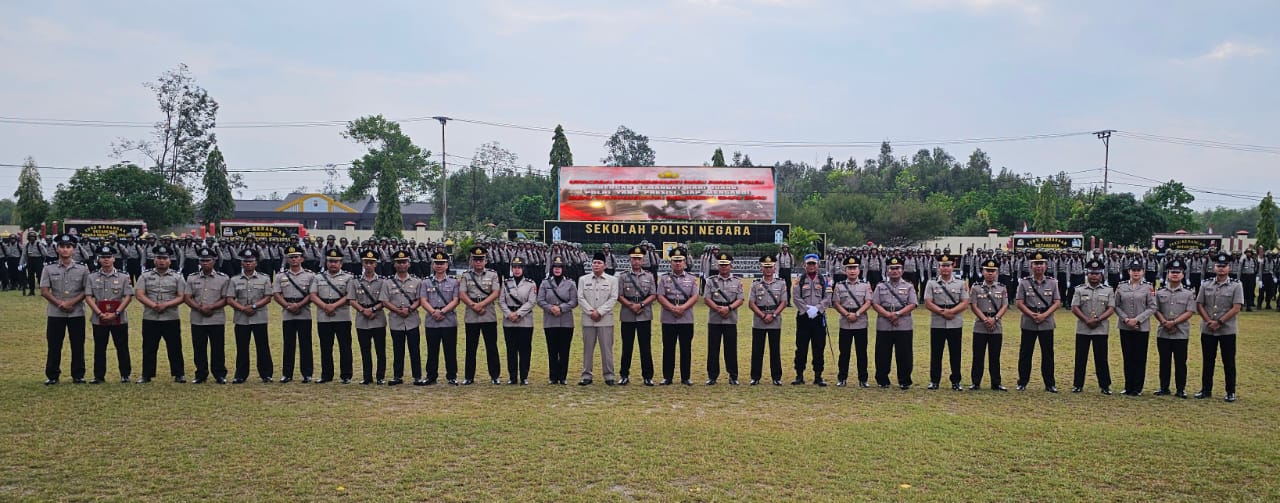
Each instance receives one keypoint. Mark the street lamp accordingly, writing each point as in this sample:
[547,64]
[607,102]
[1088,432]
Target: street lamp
[444,179]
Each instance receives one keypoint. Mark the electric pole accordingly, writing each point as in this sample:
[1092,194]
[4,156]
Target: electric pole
[1105,136]
[444,179]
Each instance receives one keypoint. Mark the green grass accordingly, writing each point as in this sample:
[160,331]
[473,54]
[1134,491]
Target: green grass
[169,441]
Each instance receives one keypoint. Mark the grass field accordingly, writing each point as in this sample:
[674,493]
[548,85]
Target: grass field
[184,442]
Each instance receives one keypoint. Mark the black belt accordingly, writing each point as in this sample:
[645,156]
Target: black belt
[945,306]
[635,299]
[767,308]
[990,315]
[1038,310]
[294,299]
[329,301]
[477,299]
[725,304]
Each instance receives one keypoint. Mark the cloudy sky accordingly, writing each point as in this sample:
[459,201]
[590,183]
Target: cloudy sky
[1189,85]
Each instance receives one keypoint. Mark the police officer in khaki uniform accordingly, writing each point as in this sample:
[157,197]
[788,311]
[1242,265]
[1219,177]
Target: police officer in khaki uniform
[161,290]
[810,294]
[852,299]
[249,296]
[1038,299]
[438,295]
[62,284]
[723,295]
[364,293]
[400,295]
[1092,303]
[1135,302]
[945,299]
[677,293]
[1218,303]
[206,295]
[894,299]
[329,292]
[108,292]
[519,296]
[767,300]
[292,290]
[1175,303]
[989,300]
[480,289]
[597,295]
[637,293]
[557,296]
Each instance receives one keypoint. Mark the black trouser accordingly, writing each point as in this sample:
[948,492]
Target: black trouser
[1062,284]
[1076,279]
[785,274]
[718,333]
[1133,352]
[519,348]
[489,329]
[558,341]
[373,339]
[673,334]
[1113,279]
[1100,362]
[986,347]
[949,337]
[328,331]
[1209,345]
[1250,283]
[171,332]
[258,332]
[810,332]
[297,337]
[214,360]
[888,344]
[413,340]
[1027,349]
[857,339]
[119,335]
[631,331]
[1196,279]
[1268,290]
[34,266]
[448,338]
[774,337]
[189,266]
[133,266]
[15,276]
[1172,351]
[73,327]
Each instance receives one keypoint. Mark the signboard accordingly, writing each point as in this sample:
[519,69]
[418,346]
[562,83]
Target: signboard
[260,230]
[521,234]
[1186,242]
[660,232]
[104,228]
[612,193]
[1048,241]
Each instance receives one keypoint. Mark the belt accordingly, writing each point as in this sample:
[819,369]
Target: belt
[477,299]
[946,306]
[1038,310]
[990,314]
[767,308]
[294,299]
[329,301]
[723,304]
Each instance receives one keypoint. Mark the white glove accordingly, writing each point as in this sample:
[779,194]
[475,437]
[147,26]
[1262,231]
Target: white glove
[812,311]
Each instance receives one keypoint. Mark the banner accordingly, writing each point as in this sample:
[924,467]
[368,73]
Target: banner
[1186,242]
[261,230]
[103,228]
[1048,241]
[667,193]
[663,232]
[524,234]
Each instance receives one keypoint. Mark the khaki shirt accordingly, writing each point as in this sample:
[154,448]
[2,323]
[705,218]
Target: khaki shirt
[114,286]
[248,290]
[401,293]
[1026,293]
[518,296]
[1135,301]
[677,290]
[989,299]
[477,287]
[1172,303]
[367,292]
[565,295]
[767,296]
[945,294]
[1093,302]
[65,283]
[207,289]
[294,287]
[852,295]
[884,296]
[161,288]
[329,288]
[437,294]
[1217,299]
[600,294]
[723,292]
[811,292]
[635,287]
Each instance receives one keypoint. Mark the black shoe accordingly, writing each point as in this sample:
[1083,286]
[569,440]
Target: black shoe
[143,380]
[419,382]
[79,380]
[381,382]
[306,379]
[1051,389]
[956,387]
[584,382]
[624,381]
[50,382]
[753,382]
[1021,387]
[904,387]
[863,384]
[733,381]
[609,382]
[999,388]
[665,382]
[266,380]
[318,381]
[524,382]
[819,382]
[395,382]
[1076,389]
[974,387]
[1106,391]
[95,381]
[1231,397]
[798,380]
[180,379]
[346,380]
[711,382]
[842,383]
[1181,394]
[197,381]
[237,381]
[933,385]
[1162,392]
[124,380]
[777,382]
[686,382]
[454,382]
[1135,393]
[511,382]
[220,380]
[286,379]
[366,382]
[884,386]
[496,382]
[648,382]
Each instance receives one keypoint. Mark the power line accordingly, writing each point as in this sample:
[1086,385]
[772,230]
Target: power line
[1196,142]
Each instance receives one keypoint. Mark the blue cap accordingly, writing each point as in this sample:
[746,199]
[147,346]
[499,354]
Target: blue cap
[811,257]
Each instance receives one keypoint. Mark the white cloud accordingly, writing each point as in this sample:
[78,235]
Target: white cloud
[1231,50]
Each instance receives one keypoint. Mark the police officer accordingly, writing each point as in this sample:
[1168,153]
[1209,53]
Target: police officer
[519,296]
[597,295]
[62,285]
[33,252]
[852,299]
[480,289]
[1175,303]
[894,300]
[108,293]
[161,291]
[767,300]
[677,293]
[944,297]
[557,297]
[1038,299]
[401,296]
[1092,304]
[1135,302]
[249,296]
[206,294]
[364,293]
[329,292]
[723,295]
[1249,266]
[438,295]
[989,300]
[810,293]
[1218,303]
[637,293]
[292,290]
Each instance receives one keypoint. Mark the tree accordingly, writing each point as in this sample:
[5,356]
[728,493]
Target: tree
[218,203]
[1121,219]
[496,160]
[561,156]
[181,140]
[1172,198]
[741,160]
[31,209]
[123,192]
[1046,217]
[717,159]
[7,208]
[398,167]
[1267,223]
[628,148]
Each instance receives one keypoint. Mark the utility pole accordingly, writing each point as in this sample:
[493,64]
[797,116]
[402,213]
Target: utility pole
[1105,136]
[444,179]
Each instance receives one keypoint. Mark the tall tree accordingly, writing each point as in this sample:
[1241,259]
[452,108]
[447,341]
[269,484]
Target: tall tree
[1172,199]
[628,148]
[1122,219]
[7,207]
[31,209]
[1267,223]
[717,159]
[180,141]
[1046,218]
[126,192]
[561,156]
[397,167]
[218,203]
[496,160]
